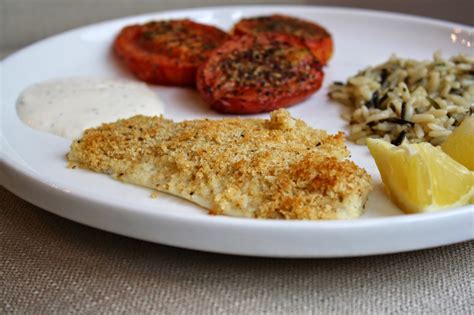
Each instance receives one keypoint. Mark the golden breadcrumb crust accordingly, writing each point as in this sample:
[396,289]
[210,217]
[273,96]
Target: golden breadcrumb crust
[277,168]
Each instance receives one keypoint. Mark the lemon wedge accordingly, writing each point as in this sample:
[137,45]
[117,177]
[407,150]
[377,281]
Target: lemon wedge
[420,177]
[460,144]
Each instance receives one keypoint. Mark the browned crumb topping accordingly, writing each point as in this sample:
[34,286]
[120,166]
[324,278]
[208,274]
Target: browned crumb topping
[277,168]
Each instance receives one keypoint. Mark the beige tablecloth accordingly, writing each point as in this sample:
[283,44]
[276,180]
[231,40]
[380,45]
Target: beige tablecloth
[51,265]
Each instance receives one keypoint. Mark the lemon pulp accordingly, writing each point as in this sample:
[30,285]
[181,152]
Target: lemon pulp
[420,177]
[460,144]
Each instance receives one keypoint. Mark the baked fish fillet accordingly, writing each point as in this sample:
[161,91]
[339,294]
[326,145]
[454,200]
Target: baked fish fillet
[276,168]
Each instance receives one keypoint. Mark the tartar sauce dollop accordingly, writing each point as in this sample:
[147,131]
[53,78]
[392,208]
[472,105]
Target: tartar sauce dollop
[66,107]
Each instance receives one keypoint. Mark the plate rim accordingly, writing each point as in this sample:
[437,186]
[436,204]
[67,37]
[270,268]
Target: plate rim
[389,14]
[8,161]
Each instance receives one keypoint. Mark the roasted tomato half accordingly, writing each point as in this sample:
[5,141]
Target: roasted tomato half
[167,52]
[313,35]
[252,74]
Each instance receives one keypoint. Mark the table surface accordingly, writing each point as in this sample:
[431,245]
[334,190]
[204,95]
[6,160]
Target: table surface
[51,265]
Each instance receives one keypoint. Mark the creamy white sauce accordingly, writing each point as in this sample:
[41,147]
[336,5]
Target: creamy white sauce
[66,107]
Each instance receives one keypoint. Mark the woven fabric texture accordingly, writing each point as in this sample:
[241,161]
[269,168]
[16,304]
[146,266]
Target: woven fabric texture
[49,265]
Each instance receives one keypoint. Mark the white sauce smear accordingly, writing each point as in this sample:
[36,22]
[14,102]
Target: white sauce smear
[66,107]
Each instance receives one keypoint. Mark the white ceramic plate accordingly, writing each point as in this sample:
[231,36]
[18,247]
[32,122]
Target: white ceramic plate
[34,166]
